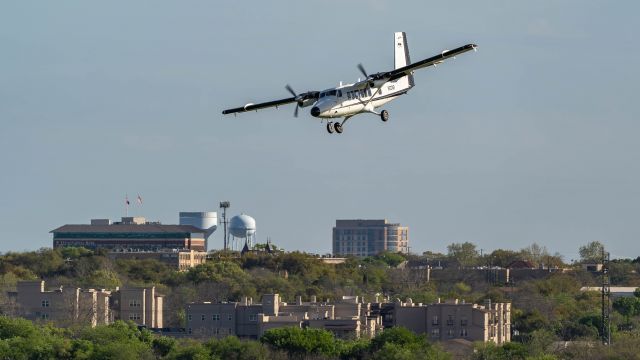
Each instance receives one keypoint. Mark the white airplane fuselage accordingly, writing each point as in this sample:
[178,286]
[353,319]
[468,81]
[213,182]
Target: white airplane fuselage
[349,100]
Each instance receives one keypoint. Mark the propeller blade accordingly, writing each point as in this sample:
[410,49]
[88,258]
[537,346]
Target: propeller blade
[295,112]
[290,90]
[363,71]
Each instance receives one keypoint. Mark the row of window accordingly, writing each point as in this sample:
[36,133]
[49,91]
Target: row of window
[355,94]
[216,317]
[216,331]
[135,316]
[450,333]
[450,321]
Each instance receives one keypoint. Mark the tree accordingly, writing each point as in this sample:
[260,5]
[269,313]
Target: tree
[627,307]
[465,254]
[297,342]
[592,252]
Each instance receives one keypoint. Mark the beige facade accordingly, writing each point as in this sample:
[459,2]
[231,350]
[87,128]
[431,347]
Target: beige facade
[456,320]
[140,305]
[346,318]
[63,306]
[66,306]
[369,237]
[182,260]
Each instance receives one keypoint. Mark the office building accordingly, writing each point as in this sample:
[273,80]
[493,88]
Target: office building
[131,234]
[369,237]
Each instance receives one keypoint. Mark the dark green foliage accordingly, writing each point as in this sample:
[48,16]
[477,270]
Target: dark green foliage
[300,342]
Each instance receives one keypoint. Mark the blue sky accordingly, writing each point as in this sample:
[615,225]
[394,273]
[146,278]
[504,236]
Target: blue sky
[531,139]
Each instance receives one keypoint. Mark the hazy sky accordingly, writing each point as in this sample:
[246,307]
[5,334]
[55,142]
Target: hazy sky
[534,138]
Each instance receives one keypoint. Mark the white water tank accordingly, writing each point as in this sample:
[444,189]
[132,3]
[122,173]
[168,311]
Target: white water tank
[207,221]
[242,226]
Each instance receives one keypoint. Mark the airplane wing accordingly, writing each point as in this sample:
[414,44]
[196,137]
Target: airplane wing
[251,106]
[377,79]
[434,60]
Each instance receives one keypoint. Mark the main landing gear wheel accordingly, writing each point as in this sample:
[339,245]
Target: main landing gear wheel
[330,128]
[338,128]
[384,115]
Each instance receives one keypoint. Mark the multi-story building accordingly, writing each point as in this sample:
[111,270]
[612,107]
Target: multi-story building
[179,259]
[456,320]
[131,234]
[350,317]
[66,306]
[63,306]
[369,237]
[139,304]
[347,318]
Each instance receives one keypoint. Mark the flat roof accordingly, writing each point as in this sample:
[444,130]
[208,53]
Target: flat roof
[127,228]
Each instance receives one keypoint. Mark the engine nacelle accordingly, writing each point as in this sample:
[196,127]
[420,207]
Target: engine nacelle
[377,83]
[306,102]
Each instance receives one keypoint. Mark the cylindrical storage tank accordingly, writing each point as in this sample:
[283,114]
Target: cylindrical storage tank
[242,226]
[207,221]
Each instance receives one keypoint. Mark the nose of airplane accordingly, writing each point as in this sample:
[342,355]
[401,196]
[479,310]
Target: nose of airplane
[315,111]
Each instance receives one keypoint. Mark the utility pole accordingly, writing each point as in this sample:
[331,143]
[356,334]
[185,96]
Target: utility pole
[606,292]
[224,205]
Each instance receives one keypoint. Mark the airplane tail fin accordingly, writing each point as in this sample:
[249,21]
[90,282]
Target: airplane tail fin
[401,55]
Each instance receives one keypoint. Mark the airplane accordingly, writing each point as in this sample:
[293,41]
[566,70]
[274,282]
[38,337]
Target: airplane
[363,96]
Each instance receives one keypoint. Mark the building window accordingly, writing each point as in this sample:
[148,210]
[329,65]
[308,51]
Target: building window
[463,322]
[463,332]
[230,331]
[202,317]
[215,317]
[229,317]
[44,316]
[253,317]
[435,332]
[189,331]
[189,317]
[450,333]
[134,303]
[435,320]
[134,316]
[45,303]
[450,320]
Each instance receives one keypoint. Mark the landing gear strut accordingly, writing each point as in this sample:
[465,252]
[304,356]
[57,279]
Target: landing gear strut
[384,115]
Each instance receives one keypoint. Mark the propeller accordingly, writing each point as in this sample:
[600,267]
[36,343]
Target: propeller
[290,89]
[362,70]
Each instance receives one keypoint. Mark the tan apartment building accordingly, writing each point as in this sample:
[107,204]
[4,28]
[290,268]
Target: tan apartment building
[444,321]
[141,305]
[369,237]
[346,319]
[66,306]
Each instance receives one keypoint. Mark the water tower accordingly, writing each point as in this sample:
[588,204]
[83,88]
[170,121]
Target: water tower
[243,227]
[207,221]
